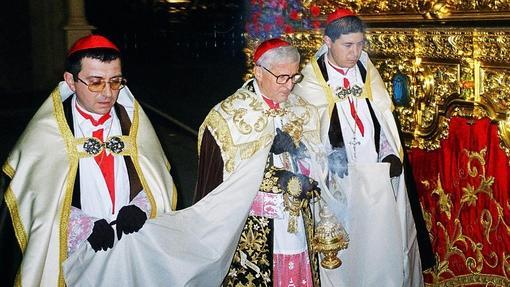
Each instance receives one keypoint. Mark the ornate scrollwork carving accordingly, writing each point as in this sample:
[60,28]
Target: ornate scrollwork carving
[416,10]
[451,71]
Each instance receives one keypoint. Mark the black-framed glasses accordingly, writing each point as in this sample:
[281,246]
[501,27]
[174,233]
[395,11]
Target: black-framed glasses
[99,84]
[283,79]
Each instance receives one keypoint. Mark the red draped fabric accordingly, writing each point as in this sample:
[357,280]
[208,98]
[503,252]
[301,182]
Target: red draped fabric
[464,190]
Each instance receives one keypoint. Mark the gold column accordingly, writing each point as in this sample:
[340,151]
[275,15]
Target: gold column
[77,25]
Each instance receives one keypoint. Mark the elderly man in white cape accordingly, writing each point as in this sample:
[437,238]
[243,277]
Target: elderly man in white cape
[275,245]
[88,159]
[257,159]
[366,184]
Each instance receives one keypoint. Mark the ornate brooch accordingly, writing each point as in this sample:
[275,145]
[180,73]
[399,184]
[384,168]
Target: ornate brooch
[343,93]
[94,146]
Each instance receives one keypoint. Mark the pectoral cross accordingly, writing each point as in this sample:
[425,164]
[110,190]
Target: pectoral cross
[354,142]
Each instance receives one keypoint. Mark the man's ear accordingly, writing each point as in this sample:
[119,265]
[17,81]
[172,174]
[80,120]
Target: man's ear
[328,41]
[257,71]
[68,77]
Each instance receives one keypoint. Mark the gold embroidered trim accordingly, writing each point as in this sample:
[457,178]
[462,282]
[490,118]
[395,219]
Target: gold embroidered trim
[367,87]
[249,149]
[471,279]
[220,130]
[173,194]
[327,90]
[308,221]
[174,197]
[167,164]
[229,107]
[276,112]
[133,133]
[218,127]
[269,183]
[221,133]
[251,264]
[7,169]
[295,130]
[19,230]
[17,281]
[72,154]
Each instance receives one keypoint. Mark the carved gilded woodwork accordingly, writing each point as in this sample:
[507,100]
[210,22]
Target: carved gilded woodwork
[453,67]
[420,10]
[451,72]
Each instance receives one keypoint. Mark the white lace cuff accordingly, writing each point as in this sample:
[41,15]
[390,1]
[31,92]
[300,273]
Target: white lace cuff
[79,229]
[141,201]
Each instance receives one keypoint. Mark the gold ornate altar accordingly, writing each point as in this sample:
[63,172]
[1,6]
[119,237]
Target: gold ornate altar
[451,69]
[455,57]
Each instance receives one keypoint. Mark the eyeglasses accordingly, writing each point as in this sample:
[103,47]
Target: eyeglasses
[283,79]
[98,85]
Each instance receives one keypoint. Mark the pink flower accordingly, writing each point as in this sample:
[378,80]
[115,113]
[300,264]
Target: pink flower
[288,29]
[267,27]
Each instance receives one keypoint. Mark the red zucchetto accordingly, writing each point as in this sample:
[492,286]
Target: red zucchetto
[338,14]
[92,42]
[268,45]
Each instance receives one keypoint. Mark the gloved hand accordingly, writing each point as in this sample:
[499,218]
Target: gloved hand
[101,236]
[283,143]
[337,162]
[308,185]
[130,219]
[395,165]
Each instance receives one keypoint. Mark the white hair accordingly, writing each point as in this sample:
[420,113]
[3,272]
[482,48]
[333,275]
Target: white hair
[280,55]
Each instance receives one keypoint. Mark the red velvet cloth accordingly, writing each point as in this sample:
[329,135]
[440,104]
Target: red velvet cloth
[464,191]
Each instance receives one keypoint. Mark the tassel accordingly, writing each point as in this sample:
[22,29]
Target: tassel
[292,227]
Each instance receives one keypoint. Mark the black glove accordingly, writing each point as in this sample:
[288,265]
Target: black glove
[395,165]
[102,236]
[308,185]
[130,219]
[283,143]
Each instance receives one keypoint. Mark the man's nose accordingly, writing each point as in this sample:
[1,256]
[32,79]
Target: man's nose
[107,91]
[289,85]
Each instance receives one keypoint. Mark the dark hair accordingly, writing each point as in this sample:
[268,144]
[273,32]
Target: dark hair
[73,62]
[345,25]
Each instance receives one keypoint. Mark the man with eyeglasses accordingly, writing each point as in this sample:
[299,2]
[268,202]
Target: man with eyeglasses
[87,167]
[366,184]
[264,121]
